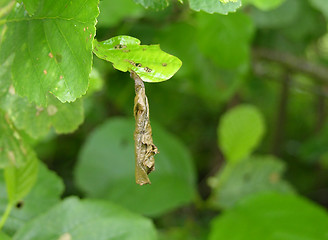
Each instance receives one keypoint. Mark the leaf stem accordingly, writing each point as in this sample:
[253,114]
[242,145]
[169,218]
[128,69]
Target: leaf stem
[5,215]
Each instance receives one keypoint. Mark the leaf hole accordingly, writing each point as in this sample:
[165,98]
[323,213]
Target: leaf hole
[20,204]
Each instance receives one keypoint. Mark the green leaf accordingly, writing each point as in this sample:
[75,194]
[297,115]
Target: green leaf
[5,77]
[314,147]
[96,82]
[113,12]
[293,26]
[108,159]
[272,217]
[240,131]
[36,121]
[53,49]
[219,39]
[44,194]
[204,77]
[284,15]
[321,5]
[264,4]
[88,220]
[148,61]
[3,4]
[4,236]
[215,6]
[5,8]
[13,148]
[173,39]
[20,180]
[31,6]
[155,4]
[253,175]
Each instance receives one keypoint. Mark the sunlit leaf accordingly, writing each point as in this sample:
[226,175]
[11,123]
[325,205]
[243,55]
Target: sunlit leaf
[108,159]
[272,217]
[215,6]
[88,220]
[148,61]
[240,131]
[251,176]
[52,50]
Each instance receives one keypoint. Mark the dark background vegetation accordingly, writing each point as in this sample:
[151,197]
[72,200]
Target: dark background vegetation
[282,82]
[271,58]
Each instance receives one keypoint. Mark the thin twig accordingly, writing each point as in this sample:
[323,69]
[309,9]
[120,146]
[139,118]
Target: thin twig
[281,120]
[293,63]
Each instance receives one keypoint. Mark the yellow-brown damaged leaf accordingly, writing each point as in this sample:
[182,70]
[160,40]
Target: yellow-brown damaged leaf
[144,146]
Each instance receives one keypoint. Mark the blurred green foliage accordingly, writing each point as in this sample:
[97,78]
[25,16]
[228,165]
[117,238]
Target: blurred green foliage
[272,216]
[241,128]
[93,219]
[103,159]
[240,131]
[48,187]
